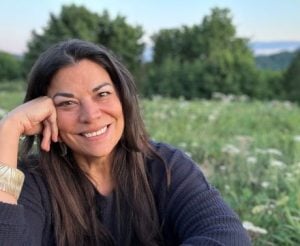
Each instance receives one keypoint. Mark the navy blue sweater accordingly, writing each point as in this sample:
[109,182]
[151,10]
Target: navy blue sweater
[192,210]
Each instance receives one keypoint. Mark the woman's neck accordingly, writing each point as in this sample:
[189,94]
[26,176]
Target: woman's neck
[98,171]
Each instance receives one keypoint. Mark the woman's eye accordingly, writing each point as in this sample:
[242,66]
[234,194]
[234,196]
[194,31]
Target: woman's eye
[103,94]
[65,104]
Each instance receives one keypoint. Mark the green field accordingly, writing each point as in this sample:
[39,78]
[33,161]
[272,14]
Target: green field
[11,94]
[249,150]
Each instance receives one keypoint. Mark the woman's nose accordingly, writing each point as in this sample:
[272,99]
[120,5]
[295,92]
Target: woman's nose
[89,111]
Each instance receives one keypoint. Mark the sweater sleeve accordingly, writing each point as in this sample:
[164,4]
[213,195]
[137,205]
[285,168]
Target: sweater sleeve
[194,212]
[26,223]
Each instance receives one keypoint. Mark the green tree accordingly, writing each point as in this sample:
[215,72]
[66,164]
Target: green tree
[210,51]
[10,66]
[72,22]
[167,45]
[78,22]
[291,80]
[123,39]
[270,85]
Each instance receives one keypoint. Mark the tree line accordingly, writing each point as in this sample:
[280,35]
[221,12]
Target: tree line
[188,61]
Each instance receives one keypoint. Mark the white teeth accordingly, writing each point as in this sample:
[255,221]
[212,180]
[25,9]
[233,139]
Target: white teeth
[97,133]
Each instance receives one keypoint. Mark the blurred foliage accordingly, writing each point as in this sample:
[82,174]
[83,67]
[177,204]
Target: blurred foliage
[292,80]
[249,150]
[197,61]
[78,22]
[11,94]
[189,61]
[10,67]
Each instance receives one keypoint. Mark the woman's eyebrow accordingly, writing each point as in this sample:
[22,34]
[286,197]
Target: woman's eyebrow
[101,85]
[63,94]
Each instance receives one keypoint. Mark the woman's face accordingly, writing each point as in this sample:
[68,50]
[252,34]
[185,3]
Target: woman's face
[89,112]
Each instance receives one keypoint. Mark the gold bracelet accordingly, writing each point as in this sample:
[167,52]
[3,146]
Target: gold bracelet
[11,180]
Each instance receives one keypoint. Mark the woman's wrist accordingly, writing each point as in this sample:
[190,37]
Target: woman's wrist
[10,125]
[11,180]
[9,142]
[7,198]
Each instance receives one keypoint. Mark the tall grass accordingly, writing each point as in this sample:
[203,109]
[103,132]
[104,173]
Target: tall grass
[249,150]
[11,94]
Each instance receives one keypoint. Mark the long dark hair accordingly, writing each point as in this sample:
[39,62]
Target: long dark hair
[72,194]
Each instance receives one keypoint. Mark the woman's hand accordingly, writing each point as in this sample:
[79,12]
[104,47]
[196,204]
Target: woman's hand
[37,116]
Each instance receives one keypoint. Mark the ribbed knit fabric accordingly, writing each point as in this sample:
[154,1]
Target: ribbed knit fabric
[194,212]
[191,210]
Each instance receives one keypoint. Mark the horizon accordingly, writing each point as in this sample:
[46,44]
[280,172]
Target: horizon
[259,48]
[250,18]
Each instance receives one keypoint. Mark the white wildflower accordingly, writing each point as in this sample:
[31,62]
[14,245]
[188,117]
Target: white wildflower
[259,209]
[223,168]
[288,104]
[183,145]
[218,95]
[274,152]
[251,160]
[277,163]
[157,97]
[213,116]
[222,97]
[227,187]
[297,138]
[183,103]
[243,98]
[265,184]
[230,149]
[254,229]
[229,98]
[289,175]
[195,144]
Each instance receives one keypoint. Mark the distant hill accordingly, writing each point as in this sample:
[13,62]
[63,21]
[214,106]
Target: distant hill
[276,62]
[273,47]
[17,56]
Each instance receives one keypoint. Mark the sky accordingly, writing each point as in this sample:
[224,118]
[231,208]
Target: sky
[258,20]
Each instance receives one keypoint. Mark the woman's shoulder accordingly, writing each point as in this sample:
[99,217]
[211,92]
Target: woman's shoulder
[175,166]
[167,151]
[173,157]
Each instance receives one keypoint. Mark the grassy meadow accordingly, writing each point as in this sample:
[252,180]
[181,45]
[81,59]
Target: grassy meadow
[249,150]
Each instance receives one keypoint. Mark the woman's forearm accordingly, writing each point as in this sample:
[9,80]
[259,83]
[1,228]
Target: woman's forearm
[9,142]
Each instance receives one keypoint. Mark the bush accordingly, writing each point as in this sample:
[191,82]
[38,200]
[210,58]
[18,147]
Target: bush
[10,67]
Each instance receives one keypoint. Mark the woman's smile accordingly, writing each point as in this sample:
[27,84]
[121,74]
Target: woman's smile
[95,133]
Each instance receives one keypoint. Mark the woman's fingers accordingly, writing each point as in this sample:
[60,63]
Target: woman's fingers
[50,132]
[53,125]
[37,116]
[46,141]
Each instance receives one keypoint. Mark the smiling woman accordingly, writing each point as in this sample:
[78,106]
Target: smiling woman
[95,177]
[89,113]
